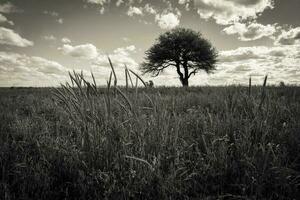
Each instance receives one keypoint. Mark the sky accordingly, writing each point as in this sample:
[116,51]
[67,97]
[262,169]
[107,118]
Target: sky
[42,40]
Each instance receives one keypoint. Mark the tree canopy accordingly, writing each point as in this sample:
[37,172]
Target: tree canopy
[185,50]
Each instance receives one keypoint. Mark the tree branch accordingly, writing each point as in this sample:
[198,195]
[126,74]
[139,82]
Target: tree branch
[178,71]
[192,72]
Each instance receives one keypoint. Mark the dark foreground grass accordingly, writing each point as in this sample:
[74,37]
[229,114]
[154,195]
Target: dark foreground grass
[154,143]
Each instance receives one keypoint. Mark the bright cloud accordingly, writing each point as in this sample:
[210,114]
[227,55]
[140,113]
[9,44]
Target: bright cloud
[252,31]
[167,21]
[3,19]
[20,69]
[134,11]
[60,21]
[9,37]
[228,11]
[65,40]
[100,2]
[280,63]
[120,57]
[149,9]
[84,51]
[119,2]
[289,37]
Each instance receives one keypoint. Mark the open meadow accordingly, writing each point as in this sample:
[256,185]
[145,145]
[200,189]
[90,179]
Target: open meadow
[150,100]
[150,143]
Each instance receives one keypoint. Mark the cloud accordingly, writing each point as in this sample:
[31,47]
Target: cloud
[46,66]
[279,62]
[252,31]
[19,69]
[183,1]
[65,40]
[134,11]
[149,9]
[51,13]
[229,11]
[99,2]
[3,19]
[126,39]
[49,38]
[167,21]
[120,57]
[119,2]
[14,62]
[8,8]
[84,51]
[60,21]
[289,37]
[240,54]
[9,37]
[102,10]
[259,53]
[54,14]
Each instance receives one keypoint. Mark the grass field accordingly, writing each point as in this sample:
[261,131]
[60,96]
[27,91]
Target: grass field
[150,143]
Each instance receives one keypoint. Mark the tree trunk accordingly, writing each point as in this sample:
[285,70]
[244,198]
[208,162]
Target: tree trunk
[184,78]
[185,82]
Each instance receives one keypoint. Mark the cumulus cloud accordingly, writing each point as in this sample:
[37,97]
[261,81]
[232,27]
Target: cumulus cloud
[119,2]
[167,18]
[240,54]
[167,21]
[84,51]
[120,57]
[289,37]
[46,66]
[99,2]
[15,62]
[228,11]
[259,52]
[186,4]
[252,31]
[149,9]
[9,37]
[3,19]
[279,62]
[134,11]
[65,40]
[19,69]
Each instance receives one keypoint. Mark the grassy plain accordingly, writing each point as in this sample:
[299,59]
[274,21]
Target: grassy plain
[150,143]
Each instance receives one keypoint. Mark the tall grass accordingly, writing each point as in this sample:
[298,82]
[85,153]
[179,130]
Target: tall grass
[84,142]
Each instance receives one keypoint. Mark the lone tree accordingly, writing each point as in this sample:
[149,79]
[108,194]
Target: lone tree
[185,50]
